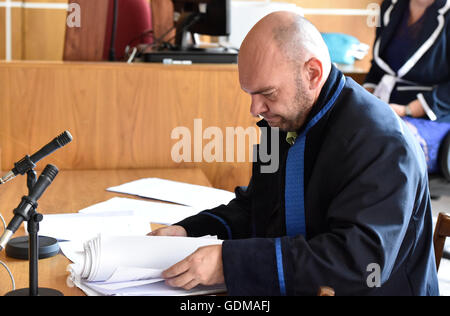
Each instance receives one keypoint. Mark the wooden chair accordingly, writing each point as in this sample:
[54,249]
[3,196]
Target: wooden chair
[441,232]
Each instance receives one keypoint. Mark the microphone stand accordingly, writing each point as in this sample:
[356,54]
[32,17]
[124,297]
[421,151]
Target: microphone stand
[33,251]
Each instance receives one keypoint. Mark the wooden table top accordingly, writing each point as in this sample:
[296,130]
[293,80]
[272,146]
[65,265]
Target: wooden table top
[70,192]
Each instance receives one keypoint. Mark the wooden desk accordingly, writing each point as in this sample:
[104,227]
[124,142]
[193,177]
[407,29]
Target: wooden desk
[70,192]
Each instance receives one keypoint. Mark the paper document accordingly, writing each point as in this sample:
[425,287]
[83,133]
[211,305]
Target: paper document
[196,196]
[75,226]
[131,265]
[153,212]
[122,216]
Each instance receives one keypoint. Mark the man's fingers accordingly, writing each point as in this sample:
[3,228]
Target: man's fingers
[169,231]
[176,269]
[191,285]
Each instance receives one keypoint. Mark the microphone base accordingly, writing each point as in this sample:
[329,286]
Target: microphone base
[17,248]
[42,291]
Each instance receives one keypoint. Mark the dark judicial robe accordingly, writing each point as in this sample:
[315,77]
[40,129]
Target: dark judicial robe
[366,203]
[425,73]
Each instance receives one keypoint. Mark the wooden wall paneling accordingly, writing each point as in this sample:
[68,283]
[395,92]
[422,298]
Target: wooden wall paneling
[121,116]
[2,34]
[43,34]
[16,33]
[17,37]
[37,34]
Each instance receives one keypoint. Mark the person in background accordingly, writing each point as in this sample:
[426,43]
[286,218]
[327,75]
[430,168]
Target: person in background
[349,205]
[411,68]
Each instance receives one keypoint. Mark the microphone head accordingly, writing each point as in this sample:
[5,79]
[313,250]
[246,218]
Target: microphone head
[64,138]
[50,171]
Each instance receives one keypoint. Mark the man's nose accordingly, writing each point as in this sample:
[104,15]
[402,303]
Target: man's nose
[258,105]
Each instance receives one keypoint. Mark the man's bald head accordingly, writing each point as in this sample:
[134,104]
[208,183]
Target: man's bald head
[283,64]
[296,37]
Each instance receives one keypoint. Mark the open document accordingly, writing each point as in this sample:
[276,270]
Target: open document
[196,196]
[131,265]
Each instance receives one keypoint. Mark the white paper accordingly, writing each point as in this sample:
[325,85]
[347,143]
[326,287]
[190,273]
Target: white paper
[196,196]
[74,226]
[126,274]
[152,212]
[131,265]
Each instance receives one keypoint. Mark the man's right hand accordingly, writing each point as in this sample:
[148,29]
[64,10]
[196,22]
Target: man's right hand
[173,230]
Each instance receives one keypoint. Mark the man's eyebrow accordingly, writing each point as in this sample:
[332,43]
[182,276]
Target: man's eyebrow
[262,91]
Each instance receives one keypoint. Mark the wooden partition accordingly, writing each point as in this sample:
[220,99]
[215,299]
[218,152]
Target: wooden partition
[121,116]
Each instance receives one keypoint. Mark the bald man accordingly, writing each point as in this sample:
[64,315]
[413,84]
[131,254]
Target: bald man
[348,206]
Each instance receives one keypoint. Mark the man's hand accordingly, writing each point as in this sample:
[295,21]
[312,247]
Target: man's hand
[399,109]
[174,230]
[415,106]
[204,266]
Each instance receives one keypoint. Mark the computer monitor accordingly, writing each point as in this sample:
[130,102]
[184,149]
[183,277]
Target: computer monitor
[206,17]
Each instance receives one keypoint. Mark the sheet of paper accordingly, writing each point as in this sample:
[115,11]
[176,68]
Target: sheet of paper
[161,289]
[74,226]
[149,289]
[196,196]
[112,288]
[152,212]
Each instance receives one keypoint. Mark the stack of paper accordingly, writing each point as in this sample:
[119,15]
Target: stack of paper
[131,265]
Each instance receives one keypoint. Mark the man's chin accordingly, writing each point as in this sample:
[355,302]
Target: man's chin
[283,126]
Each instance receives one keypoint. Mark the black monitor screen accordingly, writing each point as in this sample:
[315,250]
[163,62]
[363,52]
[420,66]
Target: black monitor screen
[206,17]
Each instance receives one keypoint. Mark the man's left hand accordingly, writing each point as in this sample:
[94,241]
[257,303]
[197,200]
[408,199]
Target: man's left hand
[204,267]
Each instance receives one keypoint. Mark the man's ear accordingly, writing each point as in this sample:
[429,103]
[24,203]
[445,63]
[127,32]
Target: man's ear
[314,72]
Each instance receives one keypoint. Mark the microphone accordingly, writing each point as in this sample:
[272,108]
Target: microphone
[28,163]
[28,204]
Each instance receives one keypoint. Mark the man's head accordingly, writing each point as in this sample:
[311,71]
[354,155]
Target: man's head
[283,65]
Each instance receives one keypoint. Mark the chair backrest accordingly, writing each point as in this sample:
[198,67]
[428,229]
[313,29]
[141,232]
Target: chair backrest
[441,232]
[134,23]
